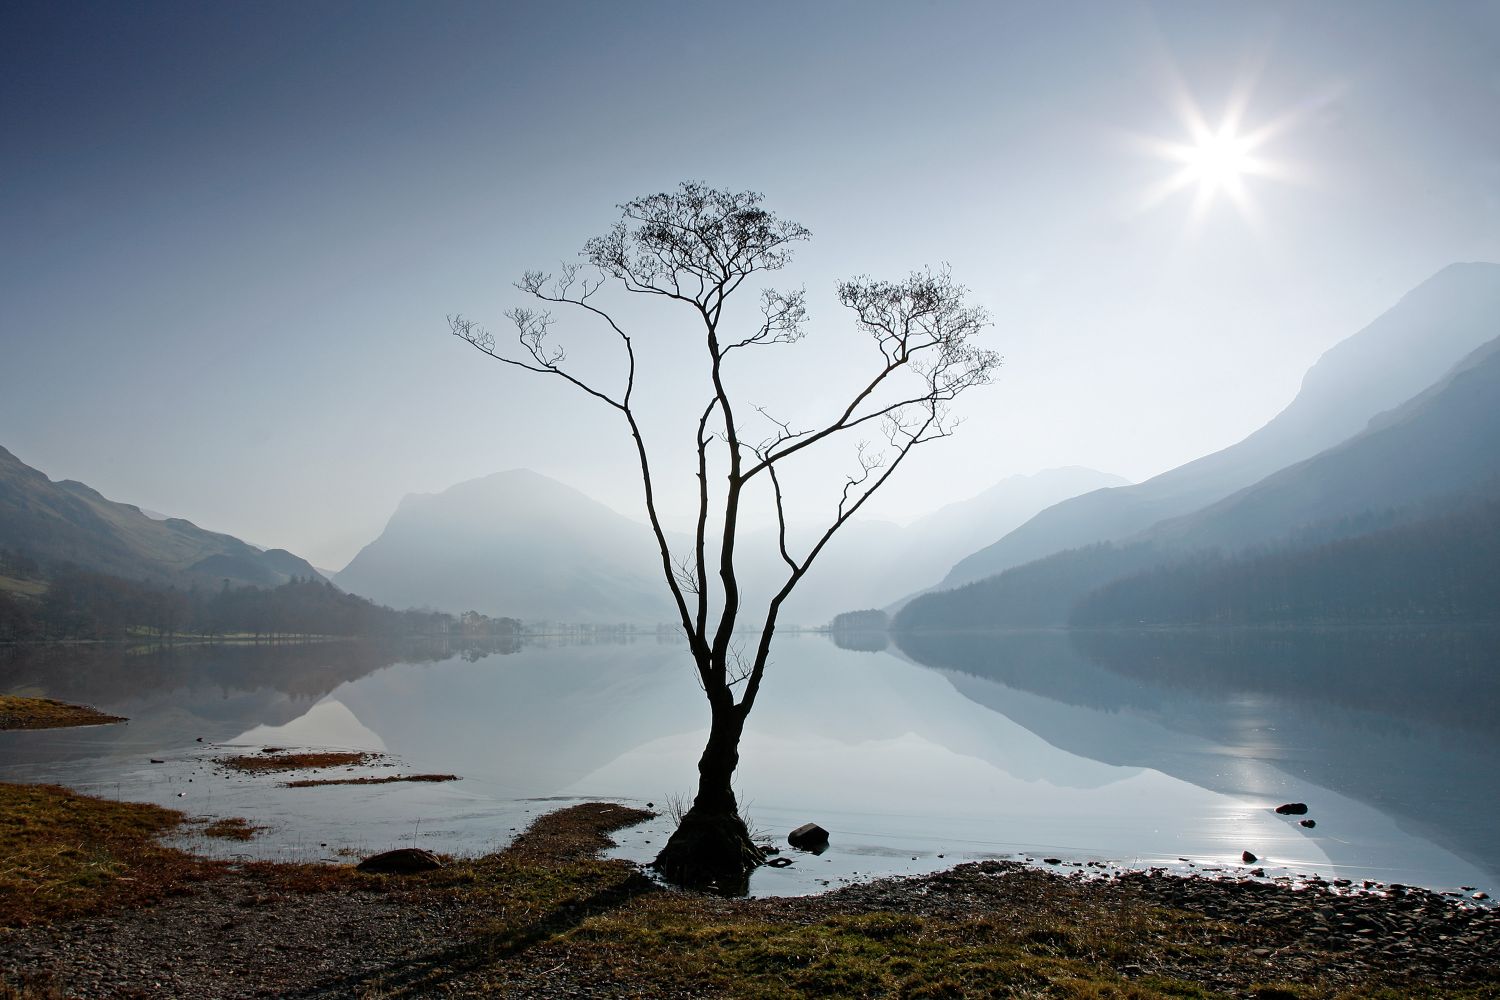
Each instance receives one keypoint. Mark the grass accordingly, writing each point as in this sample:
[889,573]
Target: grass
[755,952]
[269,761]
[43,713]
[384,780]
[64,854]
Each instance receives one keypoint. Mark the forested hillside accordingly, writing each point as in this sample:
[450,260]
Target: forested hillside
[72,603]
[69,522]
[1435,570]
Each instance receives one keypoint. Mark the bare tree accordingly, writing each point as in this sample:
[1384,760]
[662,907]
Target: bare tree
[695,247]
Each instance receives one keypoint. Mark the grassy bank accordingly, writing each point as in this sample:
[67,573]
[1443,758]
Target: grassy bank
[547,917]
[68,855]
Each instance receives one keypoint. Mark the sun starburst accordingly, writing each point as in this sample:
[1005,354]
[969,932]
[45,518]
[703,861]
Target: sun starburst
[1216,160]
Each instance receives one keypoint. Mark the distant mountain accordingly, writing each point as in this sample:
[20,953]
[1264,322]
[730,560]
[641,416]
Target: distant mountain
[870,564]
[68,522]
[520,544]
[1388,362]
[517,544]
[1441,447]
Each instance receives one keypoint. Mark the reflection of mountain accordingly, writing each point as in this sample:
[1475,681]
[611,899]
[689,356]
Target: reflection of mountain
[69,522]
[1390,361]
[1403,721]
[546,718]
[174,695]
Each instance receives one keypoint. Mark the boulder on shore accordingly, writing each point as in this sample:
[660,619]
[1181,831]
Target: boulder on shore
[808,837]
[402,861]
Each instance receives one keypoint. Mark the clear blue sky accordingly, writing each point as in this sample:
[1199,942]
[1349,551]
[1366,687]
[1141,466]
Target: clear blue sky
[230,233]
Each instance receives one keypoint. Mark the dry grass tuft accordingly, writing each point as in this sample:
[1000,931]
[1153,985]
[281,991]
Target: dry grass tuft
[232,828]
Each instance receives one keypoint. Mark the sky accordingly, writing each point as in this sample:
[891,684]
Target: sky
[230,233]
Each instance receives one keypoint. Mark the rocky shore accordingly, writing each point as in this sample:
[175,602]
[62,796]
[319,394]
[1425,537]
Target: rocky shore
[547,918]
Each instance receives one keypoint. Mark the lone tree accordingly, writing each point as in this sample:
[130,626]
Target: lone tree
[694,248]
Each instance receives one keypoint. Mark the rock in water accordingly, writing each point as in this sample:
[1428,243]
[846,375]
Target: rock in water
[1248,858]
[402,861]
[1292,809]
[808,837]
[1309,823]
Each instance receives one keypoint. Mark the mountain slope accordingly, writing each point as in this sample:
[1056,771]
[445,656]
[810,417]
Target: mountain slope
[1394,358]
[70,522]
[518,544]
[871,563]
[1431,569]
[1441,445]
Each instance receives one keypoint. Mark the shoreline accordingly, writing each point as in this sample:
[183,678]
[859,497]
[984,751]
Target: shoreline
[547,917]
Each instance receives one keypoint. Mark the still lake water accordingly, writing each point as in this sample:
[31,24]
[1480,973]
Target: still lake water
[1140,749]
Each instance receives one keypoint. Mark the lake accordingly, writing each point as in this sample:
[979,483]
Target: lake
[1139,749]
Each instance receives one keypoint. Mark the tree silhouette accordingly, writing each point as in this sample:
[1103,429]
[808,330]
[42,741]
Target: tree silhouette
[694,248]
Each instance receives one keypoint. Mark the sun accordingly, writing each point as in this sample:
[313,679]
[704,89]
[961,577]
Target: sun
[1213,162]
[1216,161]
[1219,160]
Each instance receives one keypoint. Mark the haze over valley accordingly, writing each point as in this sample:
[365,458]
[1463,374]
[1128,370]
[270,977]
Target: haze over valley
[1013,491]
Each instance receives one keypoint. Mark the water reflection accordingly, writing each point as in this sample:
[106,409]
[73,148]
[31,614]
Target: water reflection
[1031,745]
[1400,721]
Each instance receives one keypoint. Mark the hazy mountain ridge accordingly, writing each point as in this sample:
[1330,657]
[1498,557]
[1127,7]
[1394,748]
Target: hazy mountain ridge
[514,543]
[522,544]
[1440,444]
[1391,360]
[69,522]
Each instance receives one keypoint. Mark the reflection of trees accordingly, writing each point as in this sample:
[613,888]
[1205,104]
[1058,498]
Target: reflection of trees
[1442,676]
[1439,675]
[860,642]
[110,673]
[1041,662]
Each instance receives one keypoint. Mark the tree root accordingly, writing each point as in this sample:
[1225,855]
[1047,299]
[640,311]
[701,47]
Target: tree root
[710,851]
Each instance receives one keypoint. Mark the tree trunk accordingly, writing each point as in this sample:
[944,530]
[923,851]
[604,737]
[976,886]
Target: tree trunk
[711,847]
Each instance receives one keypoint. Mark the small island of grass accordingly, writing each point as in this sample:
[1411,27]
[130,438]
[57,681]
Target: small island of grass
[382,780]
[17,712]
[275,760]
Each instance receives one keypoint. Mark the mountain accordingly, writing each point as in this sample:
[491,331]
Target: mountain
[869,564]
[1388,362]
[517,544]
[520,544]
[56,522]
[1438,448]
[1437,568]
